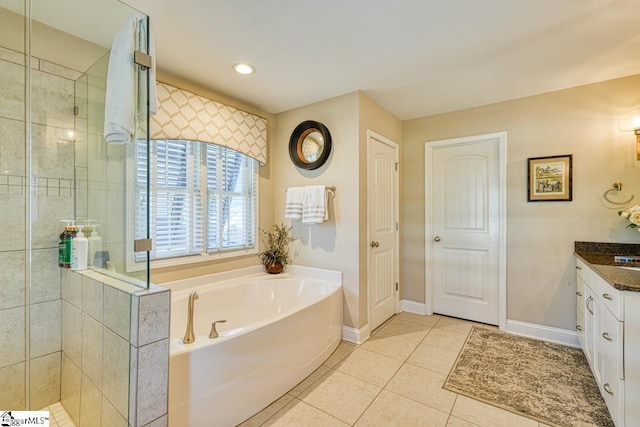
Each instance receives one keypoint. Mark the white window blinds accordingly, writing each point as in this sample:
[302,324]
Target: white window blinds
[203,198]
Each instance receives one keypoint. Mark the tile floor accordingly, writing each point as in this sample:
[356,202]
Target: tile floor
[58,417]
[394,379]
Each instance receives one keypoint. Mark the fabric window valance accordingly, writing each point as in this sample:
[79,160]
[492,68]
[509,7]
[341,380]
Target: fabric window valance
[183,115]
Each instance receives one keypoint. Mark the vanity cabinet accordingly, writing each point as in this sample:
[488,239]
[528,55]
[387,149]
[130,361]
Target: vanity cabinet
[606,326]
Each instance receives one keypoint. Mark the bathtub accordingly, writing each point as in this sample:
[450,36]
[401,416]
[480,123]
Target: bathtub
[278,330]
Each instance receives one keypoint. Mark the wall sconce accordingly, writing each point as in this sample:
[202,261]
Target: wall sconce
[631,122]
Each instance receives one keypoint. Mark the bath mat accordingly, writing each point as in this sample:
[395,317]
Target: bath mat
[548,382]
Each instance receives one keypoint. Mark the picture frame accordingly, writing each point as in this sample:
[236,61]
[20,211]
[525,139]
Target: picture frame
[550,178]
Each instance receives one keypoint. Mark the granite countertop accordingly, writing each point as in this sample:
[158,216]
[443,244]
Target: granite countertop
[600,257]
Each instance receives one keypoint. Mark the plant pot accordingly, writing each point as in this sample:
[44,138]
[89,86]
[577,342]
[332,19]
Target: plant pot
[274,268]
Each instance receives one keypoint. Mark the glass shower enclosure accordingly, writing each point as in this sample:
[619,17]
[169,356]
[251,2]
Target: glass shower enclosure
[55,165]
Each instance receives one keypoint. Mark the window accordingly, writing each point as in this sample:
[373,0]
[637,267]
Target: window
[203,199]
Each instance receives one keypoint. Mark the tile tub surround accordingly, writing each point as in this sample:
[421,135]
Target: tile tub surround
[115,351]
[600,256]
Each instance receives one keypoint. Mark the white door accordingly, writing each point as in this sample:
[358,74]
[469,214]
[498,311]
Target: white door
[464,228]
[382,194]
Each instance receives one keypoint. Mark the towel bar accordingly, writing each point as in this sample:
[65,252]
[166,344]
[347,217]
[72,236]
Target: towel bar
[331,188]
[617,186]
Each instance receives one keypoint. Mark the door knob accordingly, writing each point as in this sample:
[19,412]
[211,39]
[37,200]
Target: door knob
[436,239]
[374,244]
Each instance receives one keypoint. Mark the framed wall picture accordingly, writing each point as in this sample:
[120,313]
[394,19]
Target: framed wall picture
[550,178]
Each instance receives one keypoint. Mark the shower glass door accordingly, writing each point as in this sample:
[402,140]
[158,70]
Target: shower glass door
[55,165]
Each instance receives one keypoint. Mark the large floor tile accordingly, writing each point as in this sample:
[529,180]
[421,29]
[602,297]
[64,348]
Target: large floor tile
[457,422]
[341,396]
[434,358]
[368,366]
[423,386]
[485,415]
[419,318]
[451,324]
[343,350]
[298,413]
[445,339]
[394,346]
[307,382]
[390,409]
[409,330]
[261,417]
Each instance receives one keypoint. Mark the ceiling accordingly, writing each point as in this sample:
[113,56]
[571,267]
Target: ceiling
[413,57]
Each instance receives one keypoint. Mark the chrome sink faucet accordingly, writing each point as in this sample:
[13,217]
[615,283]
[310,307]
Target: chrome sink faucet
[189,336]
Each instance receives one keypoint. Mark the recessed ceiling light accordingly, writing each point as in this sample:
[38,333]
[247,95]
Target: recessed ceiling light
[242,68]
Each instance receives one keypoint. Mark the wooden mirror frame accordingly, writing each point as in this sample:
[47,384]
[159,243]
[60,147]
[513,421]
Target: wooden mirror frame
[297,138]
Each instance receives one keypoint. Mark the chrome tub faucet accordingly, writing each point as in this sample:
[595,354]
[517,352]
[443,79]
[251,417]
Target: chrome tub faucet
[189,336]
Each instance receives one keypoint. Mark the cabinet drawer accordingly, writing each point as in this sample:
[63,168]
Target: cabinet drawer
[611,337]
[580,292]
[581,269]
[610,297]
[612,390]
[580,327]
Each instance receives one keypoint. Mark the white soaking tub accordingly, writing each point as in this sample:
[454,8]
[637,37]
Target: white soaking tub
[278,330]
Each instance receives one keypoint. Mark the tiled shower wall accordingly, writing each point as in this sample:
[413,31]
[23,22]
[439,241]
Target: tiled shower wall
[115,351]
[100,167]
[52,167]
[103,347]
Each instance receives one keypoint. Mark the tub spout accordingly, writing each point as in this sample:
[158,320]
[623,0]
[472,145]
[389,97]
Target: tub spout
[189,336]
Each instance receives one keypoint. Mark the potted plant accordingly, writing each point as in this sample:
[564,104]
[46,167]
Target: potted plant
[275,255]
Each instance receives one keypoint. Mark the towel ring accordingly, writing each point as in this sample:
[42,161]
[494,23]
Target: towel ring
[617,186]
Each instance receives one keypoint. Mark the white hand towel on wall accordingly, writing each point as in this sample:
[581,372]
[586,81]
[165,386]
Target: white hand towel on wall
[122,87]
[314,208]
[293,206]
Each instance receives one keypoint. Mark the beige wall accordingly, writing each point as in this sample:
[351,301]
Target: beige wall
[333,244]
[48,43]
[540,236]
[339,243]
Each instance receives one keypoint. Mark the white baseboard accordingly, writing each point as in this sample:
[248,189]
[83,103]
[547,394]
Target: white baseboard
[356,336]
[413,307]
[545,333]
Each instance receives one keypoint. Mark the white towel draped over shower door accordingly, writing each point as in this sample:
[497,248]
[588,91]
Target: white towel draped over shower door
[314,207]
[121,103]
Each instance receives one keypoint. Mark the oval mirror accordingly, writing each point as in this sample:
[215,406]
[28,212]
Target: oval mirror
[310,145]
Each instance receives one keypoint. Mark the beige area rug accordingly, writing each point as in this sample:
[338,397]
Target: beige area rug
[548,382]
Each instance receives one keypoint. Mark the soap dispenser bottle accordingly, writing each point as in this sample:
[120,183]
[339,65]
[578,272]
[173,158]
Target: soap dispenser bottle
[79,251]
[95,244]
[62,248]
[66,244]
